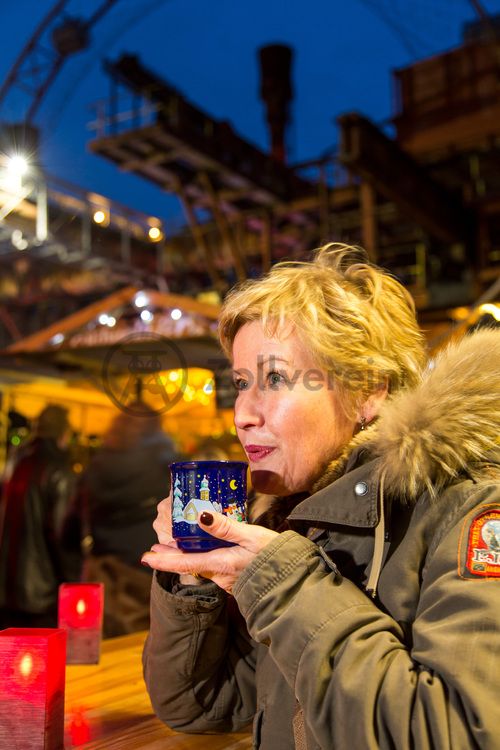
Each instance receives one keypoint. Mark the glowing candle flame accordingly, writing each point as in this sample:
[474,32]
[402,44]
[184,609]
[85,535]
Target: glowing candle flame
[81,607]
[26,665]
[79,728]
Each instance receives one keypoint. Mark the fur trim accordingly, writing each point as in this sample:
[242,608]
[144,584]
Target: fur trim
[257,505]
[427,436]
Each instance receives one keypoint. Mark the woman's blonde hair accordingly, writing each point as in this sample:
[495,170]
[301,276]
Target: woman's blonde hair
[357,320]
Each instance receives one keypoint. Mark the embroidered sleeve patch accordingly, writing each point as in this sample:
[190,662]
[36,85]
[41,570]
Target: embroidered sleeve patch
[482,536]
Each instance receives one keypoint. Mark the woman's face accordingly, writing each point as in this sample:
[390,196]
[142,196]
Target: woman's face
[287,414]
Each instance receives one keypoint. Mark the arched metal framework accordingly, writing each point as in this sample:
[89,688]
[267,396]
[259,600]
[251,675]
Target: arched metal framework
[57,37]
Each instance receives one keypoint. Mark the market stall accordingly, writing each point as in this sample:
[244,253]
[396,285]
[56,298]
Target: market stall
[134,344]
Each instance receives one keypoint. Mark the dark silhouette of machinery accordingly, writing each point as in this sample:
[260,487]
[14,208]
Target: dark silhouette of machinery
[423,201]
[56,38]
[277,92]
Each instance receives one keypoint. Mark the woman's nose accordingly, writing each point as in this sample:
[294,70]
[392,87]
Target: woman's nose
[248,410]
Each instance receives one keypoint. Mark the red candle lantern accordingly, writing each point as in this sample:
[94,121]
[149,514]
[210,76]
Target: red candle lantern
[80,614]
[32,675]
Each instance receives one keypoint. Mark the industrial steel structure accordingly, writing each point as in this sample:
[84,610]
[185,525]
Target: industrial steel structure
[422,195]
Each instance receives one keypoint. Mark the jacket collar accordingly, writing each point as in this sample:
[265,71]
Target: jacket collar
[350,501]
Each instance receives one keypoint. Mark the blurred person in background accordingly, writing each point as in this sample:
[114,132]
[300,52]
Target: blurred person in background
[18,433]
[118,496]
[39,547]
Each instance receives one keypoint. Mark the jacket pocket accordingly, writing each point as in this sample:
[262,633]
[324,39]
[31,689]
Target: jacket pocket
[256,728]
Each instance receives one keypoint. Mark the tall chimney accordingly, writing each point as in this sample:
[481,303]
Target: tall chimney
[277,92]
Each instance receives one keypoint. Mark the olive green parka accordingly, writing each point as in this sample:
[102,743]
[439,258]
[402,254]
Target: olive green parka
[374,620]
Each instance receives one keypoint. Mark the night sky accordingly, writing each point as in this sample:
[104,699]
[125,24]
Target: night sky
[344,52]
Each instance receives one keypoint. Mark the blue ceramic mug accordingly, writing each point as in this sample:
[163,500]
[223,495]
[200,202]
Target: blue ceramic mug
[199,486]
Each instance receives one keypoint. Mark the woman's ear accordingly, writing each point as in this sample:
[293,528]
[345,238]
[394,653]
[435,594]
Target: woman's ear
[371,406]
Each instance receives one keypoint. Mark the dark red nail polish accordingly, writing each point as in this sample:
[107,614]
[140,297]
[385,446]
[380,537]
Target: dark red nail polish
[207,518]
[145,563]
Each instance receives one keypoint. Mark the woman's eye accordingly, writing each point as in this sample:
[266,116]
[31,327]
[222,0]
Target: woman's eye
[275,379]
[240,384]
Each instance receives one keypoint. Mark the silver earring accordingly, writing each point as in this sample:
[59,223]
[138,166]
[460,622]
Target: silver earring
[362,424]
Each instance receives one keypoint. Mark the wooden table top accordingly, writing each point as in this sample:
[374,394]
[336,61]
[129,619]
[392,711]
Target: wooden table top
[107,707]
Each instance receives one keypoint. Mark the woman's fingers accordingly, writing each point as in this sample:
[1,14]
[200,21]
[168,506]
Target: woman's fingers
[174,560]
[251,537]
[164,508]
[222,565]
[163,521]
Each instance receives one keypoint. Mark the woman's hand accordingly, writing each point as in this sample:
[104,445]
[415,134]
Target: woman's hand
[163,522]
[163,527]
[223,565]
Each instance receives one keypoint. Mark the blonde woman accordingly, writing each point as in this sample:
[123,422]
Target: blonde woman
[362,608]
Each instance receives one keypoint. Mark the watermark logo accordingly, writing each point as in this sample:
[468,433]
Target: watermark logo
[135,368]
[271,374]
[147,367]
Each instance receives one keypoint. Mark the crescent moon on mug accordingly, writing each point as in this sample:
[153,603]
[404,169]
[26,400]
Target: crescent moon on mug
[233,484]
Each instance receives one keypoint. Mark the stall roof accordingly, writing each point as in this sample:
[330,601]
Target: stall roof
[138,330]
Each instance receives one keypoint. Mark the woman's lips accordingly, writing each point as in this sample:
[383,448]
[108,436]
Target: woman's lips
[258,452]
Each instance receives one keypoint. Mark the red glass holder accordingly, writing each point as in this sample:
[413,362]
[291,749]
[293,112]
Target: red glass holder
[81,608]
[32,680]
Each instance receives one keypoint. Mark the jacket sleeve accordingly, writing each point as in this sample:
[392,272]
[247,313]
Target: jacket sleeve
[198,659]
[358,682]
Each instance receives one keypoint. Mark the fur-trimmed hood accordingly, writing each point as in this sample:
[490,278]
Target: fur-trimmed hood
[425,437]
